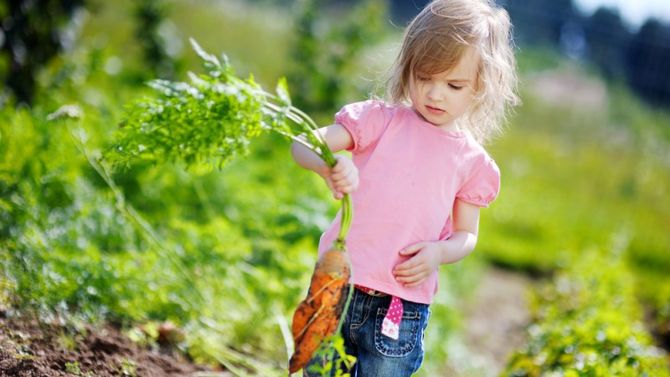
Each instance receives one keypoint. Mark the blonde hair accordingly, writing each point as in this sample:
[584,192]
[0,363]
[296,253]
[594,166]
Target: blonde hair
[435,41]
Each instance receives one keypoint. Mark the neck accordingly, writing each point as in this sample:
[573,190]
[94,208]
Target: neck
[453,126]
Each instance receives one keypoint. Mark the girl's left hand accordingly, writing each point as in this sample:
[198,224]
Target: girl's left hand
[427,257]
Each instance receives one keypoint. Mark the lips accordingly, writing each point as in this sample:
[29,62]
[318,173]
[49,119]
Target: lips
[434,110]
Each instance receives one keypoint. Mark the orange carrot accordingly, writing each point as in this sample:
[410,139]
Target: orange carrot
[317,316]
[316,332]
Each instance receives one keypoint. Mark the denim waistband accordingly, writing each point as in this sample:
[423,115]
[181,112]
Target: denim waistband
[370,291]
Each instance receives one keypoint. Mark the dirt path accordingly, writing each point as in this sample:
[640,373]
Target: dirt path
[31,348]
[494,325]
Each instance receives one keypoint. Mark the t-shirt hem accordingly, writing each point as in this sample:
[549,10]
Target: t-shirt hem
[478,203]
[352,132]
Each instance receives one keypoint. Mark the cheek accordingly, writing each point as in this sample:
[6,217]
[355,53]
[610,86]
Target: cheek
[416,92]
[460,100]
[467,99]
[463,102]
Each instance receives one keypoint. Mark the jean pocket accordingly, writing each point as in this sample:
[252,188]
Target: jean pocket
[410,327]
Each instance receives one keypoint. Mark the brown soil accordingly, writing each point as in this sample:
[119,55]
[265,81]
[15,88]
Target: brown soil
[32,348]
[495,324]
[499,315]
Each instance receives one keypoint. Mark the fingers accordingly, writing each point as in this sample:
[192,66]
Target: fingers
[336,193]
[349,181]
[408,264]
[341,188]
[350,174]
[415,259]
[345,188]
[413,249]
[416,283]
[404,272]
[344,168]
[339,165]
[414,271]
[414,279]
[344,177]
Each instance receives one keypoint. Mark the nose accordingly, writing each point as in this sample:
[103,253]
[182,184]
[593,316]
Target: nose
[435,93]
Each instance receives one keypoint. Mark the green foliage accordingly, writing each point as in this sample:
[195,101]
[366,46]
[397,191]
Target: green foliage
[225,254]
[210,119]
[583,178]
[128,368]
[150,15]
[588,323]
[333,359]
[325,51]
[537,59]
[75,246]
[73,368]
[255,38]
[32,33]
[654,290]
[457,285]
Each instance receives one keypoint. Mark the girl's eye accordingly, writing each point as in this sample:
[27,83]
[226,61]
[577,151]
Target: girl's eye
[423,78]
[455,87]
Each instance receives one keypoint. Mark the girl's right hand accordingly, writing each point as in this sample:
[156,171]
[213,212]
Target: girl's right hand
[342,178]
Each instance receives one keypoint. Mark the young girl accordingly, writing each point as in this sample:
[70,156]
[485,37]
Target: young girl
[418,175]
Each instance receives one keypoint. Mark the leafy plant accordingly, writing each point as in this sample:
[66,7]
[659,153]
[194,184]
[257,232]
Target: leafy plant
[588,323]
[333,359]
[73,367]
[150,15]
[128,368]
[324,52]
[32,34]
[213,118]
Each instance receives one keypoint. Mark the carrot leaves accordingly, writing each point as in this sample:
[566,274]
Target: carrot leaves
[209,119]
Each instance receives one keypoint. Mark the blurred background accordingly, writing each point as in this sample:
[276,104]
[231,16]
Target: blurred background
[571,276]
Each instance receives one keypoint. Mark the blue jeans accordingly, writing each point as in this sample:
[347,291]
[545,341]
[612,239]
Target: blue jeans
[378,355]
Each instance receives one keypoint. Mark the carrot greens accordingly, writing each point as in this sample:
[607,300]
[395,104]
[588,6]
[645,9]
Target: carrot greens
[213,118]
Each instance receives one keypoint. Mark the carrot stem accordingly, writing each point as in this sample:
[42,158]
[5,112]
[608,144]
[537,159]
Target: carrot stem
[345,223]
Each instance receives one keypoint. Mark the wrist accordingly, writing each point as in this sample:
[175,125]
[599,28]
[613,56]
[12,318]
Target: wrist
[457,247]
[443,247]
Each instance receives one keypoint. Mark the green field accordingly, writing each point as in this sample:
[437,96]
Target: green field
[226,254]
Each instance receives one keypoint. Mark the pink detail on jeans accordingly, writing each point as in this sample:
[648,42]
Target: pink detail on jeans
[391,324]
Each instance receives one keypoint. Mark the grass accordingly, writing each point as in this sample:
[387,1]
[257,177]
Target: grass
[577,178]
[573,178]
[254,37]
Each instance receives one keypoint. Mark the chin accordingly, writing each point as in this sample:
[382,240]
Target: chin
[437,122]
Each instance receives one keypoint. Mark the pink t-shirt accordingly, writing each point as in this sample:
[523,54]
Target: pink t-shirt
[410,174]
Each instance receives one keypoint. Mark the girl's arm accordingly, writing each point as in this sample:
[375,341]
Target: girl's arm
[337,138]
[464,238]
[343,177]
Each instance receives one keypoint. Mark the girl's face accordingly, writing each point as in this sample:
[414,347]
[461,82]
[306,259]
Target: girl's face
[442,98]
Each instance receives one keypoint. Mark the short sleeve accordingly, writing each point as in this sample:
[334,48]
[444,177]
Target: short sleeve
[365,122]
[483,185]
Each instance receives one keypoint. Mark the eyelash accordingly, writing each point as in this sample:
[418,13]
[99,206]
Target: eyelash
[425,78]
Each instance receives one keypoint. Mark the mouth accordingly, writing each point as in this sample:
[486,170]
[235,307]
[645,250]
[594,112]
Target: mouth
[434,110]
